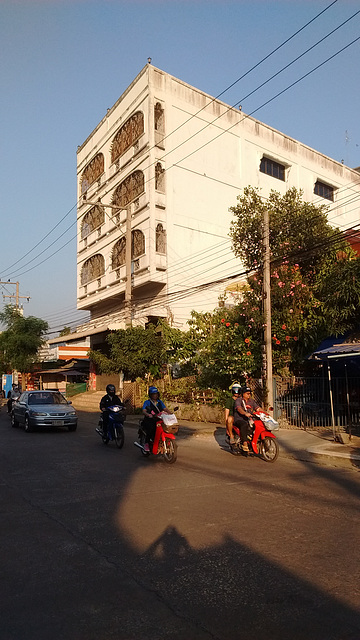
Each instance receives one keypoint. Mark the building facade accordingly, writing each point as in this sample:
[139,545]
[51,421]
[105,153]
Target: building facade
[166,162]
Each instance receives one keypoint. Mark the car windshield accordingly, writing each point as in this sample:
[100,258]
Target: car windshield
[47,398]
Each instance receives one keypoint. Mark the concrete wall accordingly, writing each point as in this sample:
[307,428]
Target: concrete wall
[210,153]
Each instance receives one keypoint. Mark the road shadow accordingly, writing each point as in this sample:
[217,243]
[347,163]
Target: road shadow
[233,592]
[74,569]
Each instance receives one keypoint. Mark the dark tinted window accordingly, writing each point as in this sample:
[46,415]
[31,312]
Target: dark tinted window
[324,190]
[272,168]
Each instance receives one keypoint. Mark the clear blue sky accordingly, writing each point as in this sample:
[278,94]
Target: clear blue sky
[64,62]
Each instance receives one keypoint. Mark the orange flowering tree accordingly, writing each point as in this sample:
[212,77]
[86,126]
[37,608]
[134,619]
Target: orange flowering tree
[305,268]
[226,348]
[315,291]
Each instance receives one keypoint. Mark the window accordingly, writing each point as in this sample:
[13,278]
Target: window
[92,220]
[118,256]
[137,244]
[130,189]
[272,168]
[159,177]
[160,245]
[93,269]
[92,172]
[324,190]
[128,135]
[159,120]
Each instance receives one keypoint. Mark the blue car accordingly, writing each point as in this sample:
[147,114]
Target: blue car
[43,409]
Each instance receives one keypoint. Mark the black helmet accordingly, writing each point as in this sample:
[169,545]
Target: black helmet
[246,389]
[110,389]
[236,388]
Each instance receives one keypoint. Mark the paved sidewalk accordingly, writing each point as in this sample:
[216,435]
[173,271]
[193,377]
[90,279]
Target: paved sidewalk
[293,443]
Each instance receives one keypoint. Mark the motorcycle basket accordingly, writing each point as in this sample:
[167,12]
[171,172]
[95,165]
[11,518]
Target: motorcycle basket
[170,423]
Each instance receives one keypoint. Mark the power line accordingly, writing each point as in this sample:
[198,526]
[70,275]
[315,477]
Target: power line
[211,141]
[213,99]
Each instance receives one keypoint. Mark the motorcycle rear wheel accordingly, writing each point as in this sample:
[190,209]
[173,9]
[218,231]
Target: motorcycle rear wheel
[269,449]
[119,437]
[170,451]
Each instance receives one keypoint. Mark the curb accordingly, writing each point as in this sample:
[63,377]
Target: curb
[337,458]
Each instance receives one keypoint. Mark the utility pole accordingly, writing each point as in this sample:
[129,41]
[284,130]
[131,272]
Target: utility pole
[128,284]
[269,398]
[16,296]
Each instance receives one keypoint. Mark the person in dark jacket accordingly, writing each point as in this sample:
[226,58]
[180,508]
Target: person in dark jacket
[107,401]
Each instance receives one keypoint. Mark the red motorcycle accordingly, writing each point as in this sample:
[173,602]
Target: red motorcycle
[164,441]
[261,441]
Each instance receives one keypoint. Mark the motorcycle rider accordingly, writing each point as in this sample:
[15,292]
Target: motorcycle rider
[229,411]
[245,406]
[107,401]
[13,395]
[151,408]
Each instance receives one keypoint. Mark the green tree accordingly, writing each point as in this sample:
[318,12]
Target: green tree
[306,274]
[134,351]
[339,292]
[226,348]
[21,339]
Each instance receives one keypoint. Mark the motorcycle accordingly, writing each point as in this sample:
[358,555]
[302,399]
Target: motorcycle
[11,401]
[261,441]
[164,441]
[115,426]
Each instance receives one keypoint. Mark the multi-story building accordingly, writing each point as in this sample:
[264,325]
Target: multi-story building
[171,160]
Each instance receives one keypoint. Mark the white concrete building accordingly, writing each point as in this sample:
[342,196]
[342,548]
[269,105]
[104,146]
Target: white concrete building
[179,158]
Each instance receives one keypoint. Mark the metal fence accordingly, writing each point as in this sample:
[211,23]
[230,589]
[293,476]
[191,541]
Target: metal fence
[306,402]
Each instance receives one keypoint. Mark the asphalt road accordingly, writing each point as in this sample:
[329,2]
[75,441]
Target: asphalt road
[102,544]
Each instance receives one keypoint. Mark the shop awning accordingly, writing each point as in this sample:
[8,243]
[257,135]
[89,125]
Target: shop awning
[343,350]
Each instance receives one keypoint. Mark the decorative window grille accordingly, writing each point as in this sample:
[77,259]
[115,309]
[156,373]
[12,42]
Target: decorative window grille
[160,242]
[159,177]
[93,269]
[159,118]
[92,172]
[118,256]
[92,220]
[137,244]
[128,135]
[130,189]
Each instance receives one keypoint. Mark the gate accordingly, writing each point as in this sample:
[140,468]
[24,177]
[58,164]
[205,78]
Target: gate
[305,402]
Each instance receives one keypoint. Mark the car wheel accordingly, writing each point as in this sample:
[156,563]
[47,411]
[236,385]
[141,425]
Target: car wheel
[27,426]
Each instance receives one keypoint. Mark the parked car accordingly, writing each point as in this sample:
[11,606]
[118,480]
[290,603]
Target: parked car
[44,408]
